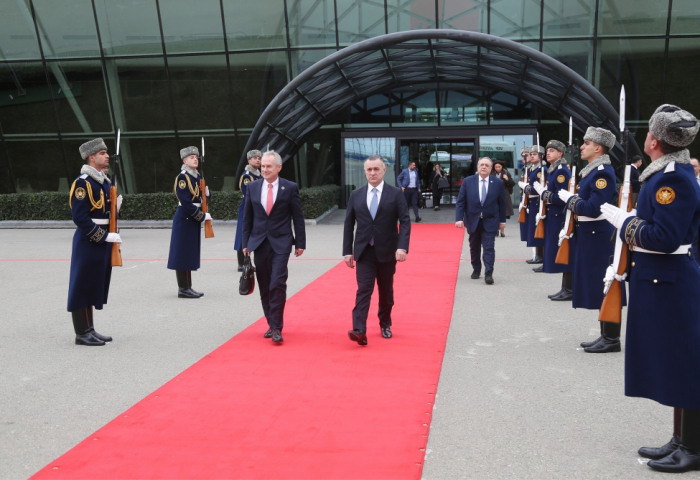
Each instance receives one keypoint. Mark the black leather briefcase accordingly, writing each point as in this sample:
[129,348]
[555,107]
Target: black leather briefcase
[246,285]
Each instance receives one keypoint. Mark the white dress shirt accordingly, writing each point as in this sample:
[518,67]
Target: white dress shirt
[263,193]
[481,182]
[412,175]
[370,194]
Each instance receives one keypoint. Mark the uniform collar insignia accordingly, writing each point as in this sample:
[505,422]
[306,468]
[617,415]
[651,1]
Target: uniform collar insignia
[94,174]
[189,170]
[252,170]
[659,164]
[556,165]
[602,160]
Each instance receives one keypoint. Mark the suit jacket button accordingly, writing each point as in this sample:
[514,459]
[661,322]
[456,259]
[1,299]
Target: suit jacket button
[633,264]
[593,233]
[656,281]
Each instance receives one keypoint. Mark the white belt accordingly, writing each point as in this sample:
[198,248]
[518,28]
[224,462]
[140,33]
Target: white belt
[682,250]
[195,204]
[101,221]
[534,196]
[589,219]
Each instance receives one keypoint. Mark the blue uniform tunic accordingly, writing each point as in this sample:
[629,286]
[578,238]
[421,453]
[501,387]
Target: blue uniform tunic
[246,178]
[523,226]
[90,263]
[554,221]
[534,207]
[662,353]
[593,250]
[186,238]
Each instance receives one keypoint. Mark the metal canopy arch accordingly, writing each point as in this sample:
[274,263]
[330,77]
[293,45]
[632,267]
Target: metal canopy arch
[404,59]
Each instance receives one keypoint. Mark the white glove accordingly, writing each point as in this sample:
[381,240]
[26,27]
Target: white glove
[538,186]
[522,185]
[562,236]
[206,191]
[565,195]
[610,276]
[113,238]
[207,217]
[615,215]
[119,203]
[521,206]
[539,217]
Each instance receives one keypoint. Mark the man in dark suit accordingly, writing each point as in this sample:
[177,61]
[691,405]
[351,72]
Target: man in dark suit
[481,204]
[272,205]
[409,181]
[377,246]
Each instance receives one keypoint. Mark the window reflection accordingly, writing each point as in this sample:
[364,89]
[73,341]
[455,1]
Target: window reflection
[67,29]
[410,15]
[192,26]
[360,20]
[303,59]
[417,107]
[372,110]
[128,27]
[469,15]
[575,54]
[564,18]
[30,179]
[25,105]
[685,17]
[509,109]
[311,23]
[258,24]
[460,107]
[17,33]
[641,17]
[515,19]
[680,89]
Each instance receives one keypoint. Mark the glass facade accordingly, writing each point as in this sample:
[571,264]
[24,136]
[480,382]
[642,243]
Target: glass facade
[167,72]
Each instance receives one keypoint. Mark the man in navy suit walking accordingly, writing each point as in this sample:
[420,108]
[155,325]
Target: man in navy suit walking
[272,205]
[482,206]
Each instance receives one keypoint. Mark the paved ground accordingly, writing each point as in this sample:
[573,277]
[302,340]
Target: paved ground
[516,399]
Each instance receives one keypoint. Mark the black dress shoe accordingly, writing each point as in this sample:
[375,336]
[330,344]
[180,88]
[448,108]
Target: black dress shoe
[104,338]
[566,295]
[475,275]
[418,219]
[555,294]
[590,344]
[196,292]
[268,334]
[605,345]
[277,336]
[386,332]
[488,278]
[539,269]
[358,336]
[87,339]
[535,261]
[240,267]
[503,234]
[681,460]
[660,452]
[187,293]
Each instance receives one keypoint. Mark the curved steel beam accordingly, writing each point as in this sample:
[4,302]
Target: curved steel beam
[381,64]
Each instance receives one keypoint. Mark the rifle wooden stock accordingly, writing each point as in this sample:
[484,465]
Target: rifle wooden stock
[563,253]
[522,216]
[208,230]
[539,231]
[611,308]
[116,248]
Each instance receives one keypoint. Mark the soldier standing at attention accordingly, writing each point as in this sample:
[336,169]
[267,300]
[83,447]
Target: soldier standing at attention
[559,176]
[525,155]
[90,264]
[186,237]
[250,174]
[533,202]
[662,362]
[593,249]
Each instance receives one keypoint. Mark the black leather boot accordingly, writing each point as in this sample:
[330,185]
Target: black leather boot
[609,341]
[657,453]
[590,344]
[183,283]
[567,292]
[83,335]
[539,256]
[91,325]
[241,257]
[687,456]
[539,269]
[189,283]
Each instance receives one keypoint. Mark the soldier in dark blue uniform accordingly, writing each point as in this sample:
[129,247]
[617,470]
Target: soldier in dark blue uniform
[662,357]
[536,172]
[558,175]
[593,249]
[250,174]
[186,237]
[90,265]
[525,155]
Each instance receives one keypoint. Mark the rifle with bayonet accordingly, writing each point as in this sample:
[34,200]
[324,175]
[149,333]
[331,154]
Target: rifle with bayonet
[568,231]
[539,220]
[611,308]
[522,215]
[208,229]
[116,259]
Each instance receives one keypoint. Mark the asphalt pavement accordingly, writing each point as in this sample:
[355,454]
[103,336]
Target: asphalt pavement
[517,397]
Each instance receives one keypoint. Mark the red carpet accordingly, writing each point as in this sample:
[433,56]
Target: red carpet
[318,406]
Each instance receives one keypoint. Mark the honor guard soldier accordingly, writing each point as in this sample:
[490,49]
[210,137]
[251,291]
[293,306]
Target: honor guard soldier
[525,155]
[90,264]
[663,329]
[186,237]
[559,175]
[592,246]
[536,172]
[250,174]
